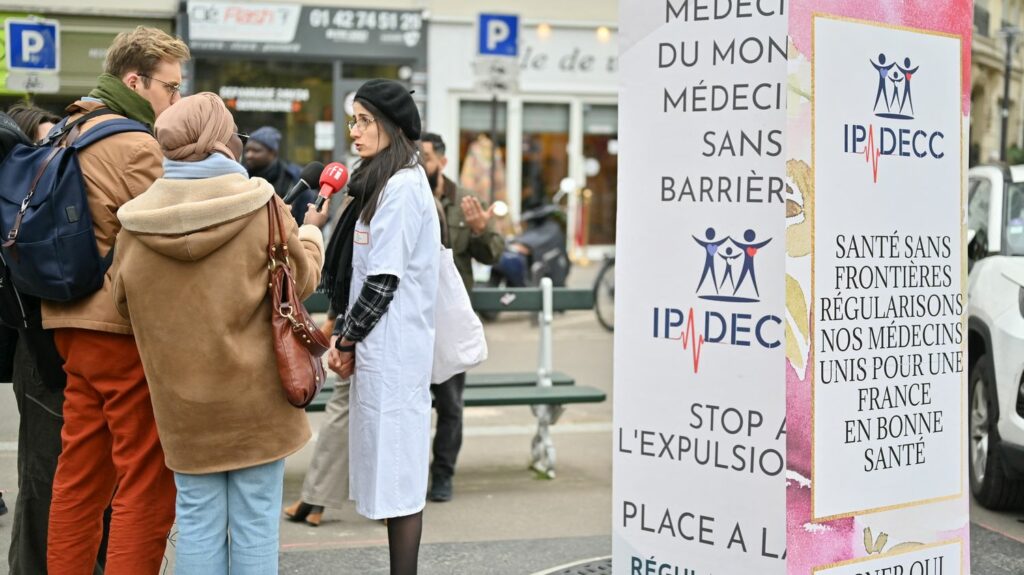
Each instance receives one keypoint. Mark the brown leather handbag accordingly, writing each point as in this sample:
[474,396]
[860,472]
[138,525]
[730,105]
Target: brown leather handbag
[298,343]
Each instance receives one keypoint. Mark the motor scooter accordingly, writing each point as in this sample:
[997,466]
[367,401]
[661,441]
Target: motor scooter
[538,252]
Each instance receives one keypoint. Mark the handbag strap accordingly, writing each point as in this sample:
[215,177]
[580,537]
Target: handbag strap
[275,236]
[280,222]
[271,247]
[275,220]
[282,289]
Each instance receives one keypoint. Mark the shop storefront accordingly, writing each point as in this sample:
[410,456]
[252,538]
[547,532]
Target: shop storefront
[561,122]
[293,67]
[83,46]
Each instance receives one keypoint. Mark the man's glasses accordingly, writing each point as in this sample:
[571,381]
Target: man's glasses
[171,88]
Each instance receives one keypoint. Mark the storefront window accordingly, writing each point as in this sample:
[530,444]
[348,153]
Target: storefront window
[545,152]
[601,166]
[371,71]
[475,149]
[288,95]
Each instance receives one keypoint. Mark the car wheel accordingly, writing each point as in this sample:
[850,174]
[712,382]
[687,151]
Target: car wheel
[989,482]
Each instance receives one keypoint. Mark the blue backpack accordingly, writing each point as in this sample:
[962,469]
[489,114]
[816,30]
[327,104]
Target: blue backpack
[46,229]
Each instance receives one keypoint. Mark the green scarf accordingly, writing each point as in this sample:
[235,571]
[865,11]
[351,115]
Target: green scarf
[122,100]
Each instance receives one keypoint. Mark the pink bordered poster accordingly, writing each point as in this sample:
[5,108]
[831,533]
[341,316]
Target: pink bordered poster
[878,108]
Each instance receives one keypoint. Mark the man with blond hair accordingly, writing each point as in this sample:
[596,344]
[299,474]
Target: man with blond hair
[111,453]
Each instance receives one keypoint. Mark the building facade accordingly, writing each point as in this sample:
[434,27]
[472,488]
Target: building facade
[560,121]
[86,30]
[997,24]
[295,66]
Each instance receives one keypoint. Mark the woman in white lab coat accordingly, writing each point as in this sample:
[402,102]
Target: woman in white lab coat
[382,268]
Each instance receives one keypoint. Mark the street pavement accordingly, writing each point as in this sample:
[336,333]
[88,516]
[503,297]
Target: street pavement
[504,520]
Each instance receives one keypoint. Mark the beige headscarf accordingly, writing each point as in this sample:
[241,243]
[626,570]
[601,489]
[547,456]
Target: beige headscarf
[196,127]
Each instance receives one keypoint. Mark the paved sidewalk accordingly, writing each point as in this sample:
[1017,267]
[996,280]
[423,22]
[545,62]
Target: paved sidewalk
[503,519]
[518,557]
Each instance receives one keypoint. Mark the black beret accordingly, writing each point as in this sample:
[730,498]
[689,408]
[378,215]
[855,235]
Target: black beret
[394,101]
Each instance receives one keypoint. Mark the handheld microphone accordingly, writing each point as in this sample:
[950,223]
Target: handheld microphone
[332,180]
[310,174]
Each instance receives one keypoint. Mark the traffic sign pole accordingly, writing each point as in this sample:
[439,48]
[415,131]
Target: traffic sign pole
[494,143]
[498,37]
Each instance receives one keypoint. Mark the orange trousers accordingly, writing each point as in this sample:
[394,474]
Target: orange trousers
[111,455]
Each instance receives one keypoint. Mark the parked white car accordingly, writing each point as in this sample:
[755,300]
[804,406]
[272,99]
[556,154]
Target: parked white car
[995,308]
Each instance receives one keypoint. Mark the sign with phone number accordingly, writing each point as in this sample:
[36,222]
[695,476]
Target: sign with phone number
[365,20]
[266,28]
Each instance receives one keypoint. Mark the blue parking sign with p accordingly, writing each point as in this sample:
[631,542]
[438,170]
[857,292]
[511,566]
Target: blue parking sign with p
[33,45]
[499,35]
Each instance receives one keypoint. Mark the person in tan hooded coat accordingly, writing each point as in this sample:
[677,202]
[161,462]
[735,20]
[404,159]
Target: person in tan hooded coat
[190,272]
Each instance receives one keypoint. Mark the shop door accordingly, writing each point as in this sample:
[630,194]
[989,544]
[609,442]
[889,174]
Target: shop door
[545,152]
[601,168]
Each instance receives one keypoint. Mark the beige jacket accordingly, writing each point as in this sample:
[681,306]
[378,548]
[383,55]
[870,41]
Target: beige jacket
[115,169]
[190,271]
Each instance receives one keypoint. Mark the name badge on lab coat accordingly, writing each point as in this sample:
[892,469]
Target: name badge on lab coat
[361,238]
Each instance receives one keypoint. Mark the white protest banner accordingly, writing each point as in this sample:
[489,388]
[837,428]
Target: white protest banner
[699,472]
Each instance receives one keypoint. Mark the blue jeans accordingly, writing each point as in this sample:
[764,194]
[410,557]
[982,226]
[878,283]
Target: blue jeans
[513,266]
[246,503]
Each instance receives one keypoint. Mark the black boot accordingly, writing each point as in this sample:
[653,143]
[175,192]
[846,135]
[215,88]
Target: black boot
[440,489]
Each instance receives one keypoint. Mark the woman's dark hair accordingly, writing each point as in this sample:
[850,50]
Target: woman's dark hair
[373,174]
[29,117]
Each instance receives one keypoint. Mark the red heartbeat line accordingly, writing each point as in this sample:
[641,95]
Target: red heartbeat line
[871,153]
[687,336]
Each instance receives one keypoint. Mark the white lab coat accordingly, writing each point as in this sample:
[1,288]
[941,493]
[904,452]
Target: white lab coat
[389,425]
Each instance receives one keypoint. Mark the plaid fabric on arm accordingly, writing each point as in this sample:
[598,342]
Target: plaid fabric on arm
[374,298]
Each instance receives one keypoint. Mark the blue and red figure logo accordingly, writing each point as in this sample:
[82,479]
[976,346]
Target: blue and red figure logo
[729,277]
[894,100]
[894,78]
[725,254]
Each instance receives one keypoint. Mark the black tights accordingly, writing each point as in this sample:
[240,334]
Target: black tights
[404,543]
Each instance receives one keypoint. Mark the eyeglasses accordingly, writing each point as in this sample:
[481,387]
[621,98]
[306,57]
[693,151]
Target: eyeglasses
[243,137]
[171,88]
[363,123]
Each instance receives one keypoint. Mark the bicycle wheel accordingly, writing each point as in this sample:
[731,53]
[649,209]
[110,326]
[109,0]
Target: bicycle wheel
[604,295]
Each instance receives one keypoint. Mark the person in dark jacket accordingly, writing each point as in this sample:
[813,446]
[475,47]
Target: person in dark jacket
[32,363]
[262,160]
[470,235]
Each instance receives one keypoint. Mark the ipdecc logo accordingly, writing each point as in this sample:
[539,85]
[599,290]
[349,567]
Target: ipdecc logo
[894,100]
[728,277]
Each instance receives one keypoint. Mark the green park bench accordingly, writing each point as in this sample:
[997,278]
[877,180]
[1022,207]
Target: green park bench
[546,391]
